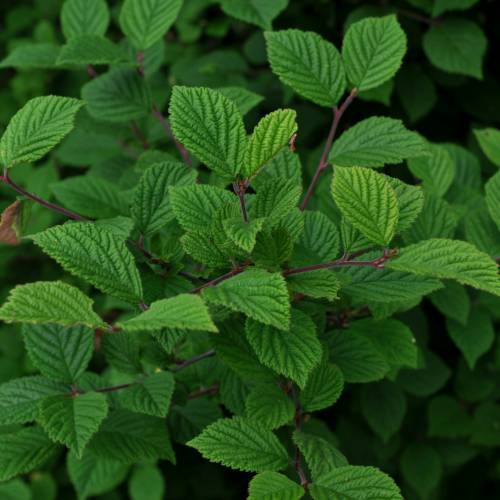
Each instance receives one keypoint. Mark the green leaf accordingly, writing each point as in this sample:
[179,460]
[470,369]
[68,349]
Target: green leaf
[20,397]
[241,233]
[372,50]
[132,437]
[90,49]
[122,352]
[60,353]
[421,467]
[95,254]
[151,395]
[274,486]
[244,99]
[260,295]
[410,201]
[37,128]
[492,188]
[489,139]
[151,207]
[449,259]
[32,56]
[384,406]
[452,301]
[269,137]
[375,142]
[456,46]
[73,420]
[269,406]
[23,451]
[202,248]
[318,284]
[441,6]
[84,17]
[320,455]
[447,418]
[473,338]
[146,483]
[285,165]
[242,445]
[144,22]
[49,302]
[258,12]
[210,126]
[356,483]
[16,489]
[118,96]
[367,201]
[323,388]
[183,311]
[307,63]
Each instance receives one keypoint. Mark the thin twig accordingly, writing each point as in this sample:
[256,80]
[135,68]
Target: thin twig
[240,189]
[418,17]
[188,362]
[216,281]
[206,391]
[115,387]
[304,482]
[139,135]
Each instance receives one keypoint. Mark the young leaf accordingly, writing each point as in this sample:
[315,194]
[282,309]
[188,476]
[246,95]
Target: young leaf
[272,486]
[456,46]
[37,128]
[49,302]
[258,12]
[184,311]
[84,17]
[117,96]
[307,63]
[489,139]
[244,99]
[367,201]
[270,136]
[449,259]
[210,126]
[372,50]
[96,255]
[144,22]
[293,353]
[73,420]
[241,445]
[269,406]
[375,142]
[260,295]
[90,49]
[60,353]
[410,201]
[243,234]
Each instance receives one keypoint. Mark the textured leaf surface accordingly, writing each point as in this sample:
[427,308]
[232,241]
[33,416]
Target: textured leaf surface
[456,46]
[274,486]
[449,259]
[183,311]
[145,22]
[95,254]
[324,387]
[49,302]
[73,420]
[307,63]
[293,353]
[241,233]
[258,12]
[270,136]
[492,188]
[452,301]
[317,284]
[260,295]
[372,50]
[242,445]
[82,17]
[210,126]
[90,49]
[244,99]
[37,128]
[367,201]
[32,56]
[489,140]
[375,142]
[60,353]
[269,406]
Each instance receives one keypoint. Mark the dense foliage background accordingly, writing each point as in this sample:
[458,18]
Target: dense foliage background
[435,430]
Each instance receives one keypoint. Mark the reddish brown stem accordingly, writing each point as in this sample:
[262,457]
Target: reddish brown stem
[206,391]
[240,189]
[139,135]
[188,362]
[216,281]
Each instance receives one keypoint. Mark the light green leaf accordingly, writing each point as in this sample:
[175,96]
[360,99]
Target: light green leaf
[144,22]
[410,201]
[118,96]
[244,99]
[32,56]
[269,137]
[49,302]
[202,248]
[449,259]
[84,17]
[318,284]
[492,188]
[293,353]
[372,50]
[242,445]
[241,233]
[258,12]
[367,201]
[307,63]
[60,353]
[37,128]
[285,165]
[95,254]
[489,140]
[90,49]
[260,295]
[356,483]
[456,46]
[375,142]
[183,311]
[274,486]
[268,406]
[210,126]
[323,388]
[73,420]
